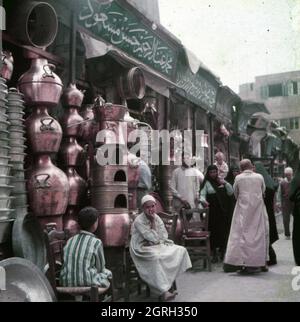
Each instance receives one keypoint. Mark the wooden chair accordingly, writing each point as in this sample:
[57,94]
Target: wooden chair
[131,273]
[55,241]
[196,237]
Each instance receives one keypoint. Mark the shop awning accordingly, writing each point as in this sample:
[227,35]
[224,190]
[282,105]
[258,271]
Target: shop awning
[95,48]
[247,110]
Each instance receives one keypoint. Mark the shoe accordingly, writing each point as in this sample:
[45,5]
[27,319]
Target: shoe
[287,237]
[264,269]
[231,268]
[250,270]
[272,262]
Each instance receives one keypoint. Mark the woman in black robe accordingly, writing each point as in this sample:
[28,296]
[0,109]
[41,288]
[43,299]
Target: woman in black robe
[216,194]
[295,197]
[271,187]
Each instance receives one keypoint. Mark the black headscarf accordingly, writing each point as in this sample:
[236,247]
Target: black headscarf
[230,177]
[214,182]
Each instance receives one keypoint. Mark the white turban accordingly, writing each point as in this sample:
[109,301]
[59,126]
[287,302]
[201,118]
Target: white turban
[147,198]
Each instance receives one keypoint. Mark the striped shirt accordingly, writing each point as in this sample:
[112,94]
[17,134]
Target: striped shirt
[84,263]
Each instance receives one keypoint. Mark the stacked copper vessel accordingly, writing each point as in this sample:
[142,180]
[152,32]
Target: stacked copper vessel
[6,213]
[110,182]
[47,185]
[72,155]
[17,149]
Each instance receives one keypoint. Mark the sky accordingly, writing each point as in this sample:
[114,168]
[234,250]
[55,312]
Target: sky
[237,39]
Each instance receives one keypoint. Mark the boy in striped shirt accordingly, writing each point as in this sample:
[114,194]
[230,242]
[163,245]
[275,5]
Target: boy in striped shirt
[84,263]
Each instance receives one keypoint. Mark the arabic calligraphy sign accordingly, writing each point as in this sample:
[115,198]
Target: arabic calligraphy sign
[198,89]
[120,27]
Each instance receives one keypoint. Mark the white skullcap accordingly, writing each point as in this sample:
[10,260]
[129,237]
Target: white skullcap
[147,198]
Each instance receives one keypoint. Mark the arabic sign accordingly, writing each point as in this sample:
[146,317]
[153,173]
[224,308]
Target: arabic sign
[120,27]
[198,89]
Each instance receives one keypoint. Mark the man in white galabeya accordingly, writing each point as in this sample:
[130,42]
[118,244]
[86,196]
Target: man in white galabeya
[247,248]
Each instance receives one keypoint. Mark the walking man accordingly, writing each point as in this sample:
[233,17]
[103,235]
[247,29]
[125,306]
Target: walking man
[248,243]
[286,205]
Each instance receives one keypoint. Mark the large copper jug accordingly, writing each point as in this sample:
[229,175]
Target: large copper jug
[113,229]
[71,122]
[77,188]
[40,85]
[89,128]
[44,133]
[71,153]
[48,188]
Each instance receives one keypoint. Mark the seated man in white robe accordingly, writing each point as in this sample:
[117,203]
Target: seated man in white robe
[158,260]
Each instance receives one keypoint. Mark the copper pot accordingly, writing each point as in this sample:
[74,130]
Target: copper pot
[40,85]
[7,65]
[48,188]
[71,153]
[72,96]
[44,133]
[77,188]
[113,229]
[89,128]
[71,122]
[110,112]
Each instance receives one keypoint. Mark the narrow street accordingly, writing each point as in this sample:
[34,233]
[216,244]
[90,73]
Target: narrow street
[216,286]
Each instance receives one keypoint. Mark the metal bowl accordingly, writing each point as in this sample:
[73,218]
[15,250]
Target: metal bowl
[15,115]
[3,116]
[16,122]
[17,148]
[5,202]
[5,190]
[25,282]
[3,109]
[14,108]
[17,157]
[6,214]
[16,128]
[4,150]
[4,169]
[4,125]
[5,180]
[4,161]
[3,135]
[17,142]
[28,239]
[14,94]
[16,133]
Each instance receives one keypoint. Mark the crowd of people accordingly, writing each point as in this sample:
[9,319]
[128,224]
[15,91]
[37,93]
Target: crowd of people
[242,202]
